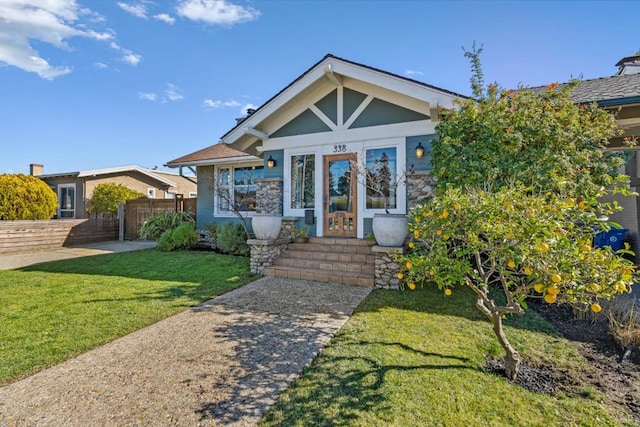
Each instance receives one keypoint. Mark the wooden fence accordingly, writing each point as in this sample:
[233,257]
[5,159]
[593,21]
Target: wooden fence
[139,210]
[17,236]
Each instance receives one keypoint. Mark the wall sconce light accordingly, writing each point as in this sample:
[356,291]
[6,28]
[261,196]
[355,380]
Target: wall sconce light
[271,162]
[419,150]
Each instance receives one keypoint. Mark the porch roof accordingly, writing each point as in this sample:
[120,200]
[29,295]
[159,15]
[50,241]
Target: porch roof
[210,155]
[606,91]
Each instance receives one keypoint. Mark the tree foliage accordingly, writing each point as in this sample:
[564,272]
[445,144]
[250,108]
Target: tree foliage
[26,197]
[520,181]
[106,197]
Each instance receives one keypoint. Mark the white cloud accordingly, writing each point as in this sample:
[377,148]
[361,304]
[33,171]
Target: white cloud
[127,55]
[210,103]
[100,65]
[138,10]
[52,22]
[413,73]
[164,17]
[173,93]
[216,12]
[149,96]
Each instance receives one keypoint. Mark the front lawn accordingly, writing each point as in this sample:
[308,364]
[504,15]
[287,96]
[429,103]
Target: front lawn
[51,312]
[418,358]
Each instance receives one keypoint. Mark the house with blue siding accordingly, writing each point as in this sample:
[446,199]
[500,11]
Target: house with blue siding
[306,153]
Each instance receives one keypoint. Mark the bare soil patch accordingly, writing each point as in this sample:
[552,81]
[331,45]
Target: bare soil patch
[617,379]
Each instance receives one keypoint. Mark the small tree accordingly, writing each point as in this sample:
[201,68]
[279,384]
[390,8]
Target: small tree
[106,197]
[26,197]
[520,177]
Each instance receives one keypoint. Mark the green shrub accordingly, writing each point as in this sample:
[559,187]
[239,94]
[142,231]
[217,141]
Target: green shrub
[155,226]
[107,196]
[232,239]
[184,236]
[26,197]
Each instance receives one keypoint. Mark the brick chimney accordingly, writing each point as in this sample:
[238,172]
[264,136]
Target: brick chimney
[36,169]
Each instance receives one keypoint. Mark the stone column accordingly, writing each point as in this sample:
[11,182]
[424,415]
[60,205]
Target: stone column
[264,252]
[269,196]
[387,269]
[420,186]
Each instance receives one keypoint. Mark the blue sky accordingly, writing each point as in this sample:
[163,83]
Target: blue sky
[90,84]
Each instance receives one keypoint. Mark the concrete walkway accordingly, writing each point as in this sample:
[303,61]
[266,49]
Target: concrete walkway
[224,362]
[23,259]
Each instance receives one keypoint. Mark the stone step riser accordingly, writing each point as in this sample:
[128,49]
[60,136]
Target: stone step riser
[336,248]
[321,276]
[324,265]
[329,256]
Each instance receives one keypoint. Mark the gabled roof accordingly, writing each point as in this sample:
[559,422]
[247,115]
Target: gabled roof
[326,67]
[109,171]
[209,155]
[606,91]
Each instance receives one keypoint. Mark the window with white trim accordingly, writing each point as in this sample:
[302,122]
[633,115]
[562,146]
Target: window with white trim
[382,173]
[66,201]
[237,185]
[303,168]
[151,193]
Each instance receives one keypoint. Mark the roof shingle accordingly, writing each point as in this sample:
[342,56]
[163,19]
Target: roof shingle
[214,152]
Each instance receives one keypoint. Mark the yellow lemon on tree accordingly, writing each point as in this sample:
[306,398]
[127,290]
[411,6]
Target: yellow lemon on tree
[444,215]
[511,264]
[411,245]
[528,271]
[550,299]
[556,278]
[456,206]
[538,287]
[553,290]
[596,308]
[409,265]
[417,219]
[585,248]
[438,232]
[448,292]
[400,276]
[582,205]
[510,236]
[412,286]
[543,247]
[416,233]
[593,288]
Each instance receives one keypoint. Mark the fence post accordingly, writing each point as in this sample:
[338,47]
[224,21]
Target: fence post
[121,221]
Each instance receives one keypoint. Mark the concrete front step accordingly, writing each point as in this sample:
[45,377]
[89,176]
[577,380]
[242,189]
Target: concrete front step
[314,264]
[355,279]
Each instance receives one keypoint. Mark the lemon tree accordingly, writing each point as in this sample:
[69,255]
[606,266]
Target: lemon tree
[520,245]
[521,178]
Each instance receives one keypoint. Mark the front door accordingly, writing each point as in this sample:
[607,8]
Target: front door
[340,204]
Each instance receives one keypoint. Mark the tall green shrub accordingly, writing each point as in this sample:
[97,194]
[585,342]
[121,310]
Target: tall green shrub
[182,237]
[107,196]
[232,239]
[26,197]
[156,225]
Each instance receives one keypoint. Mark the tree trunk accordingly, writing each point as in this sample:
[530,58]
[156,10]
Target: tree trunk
[512,358]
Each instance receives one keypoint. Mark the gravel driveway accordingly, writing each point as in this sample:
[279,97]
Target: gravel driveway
[224,362]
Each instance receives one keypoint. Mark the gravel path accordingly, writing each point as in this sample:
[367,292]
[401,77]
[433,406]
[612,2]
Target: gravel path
[224,362]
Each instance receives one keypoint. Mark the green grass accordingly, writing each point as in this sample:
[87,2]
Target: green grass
[57,310]
[417,358]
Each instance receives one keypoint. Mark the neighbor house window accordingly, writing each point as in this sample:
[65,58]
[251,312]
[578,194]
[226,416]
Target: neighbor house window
[303,169]
[169,195]
[67,201]
[238,186]
[192,194]
[381,164]
[151,193]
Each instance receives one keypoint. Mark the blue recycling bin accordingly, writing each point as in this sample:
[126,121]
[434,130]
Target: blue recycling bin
[613,238]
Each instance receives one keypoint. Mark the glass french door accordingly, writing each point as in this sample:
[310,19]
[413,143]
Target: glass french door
[340,204]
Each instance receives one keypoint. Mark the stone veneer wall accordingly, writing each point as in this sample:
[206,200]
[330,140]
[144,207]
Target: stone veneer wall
[269,196]
[288,224]
[386,267]
[420,185]
[263,252]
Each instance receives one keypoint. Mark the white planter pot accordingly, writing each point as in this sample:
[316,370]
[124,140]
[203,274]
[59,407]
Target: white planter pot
[266,227]
[390,229]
